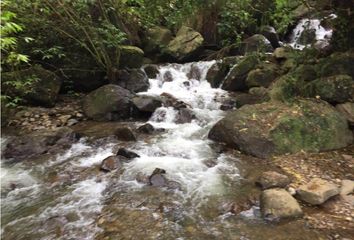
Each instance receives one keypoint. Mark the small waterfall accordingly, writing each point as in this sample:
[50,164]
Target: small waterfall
[310,31]
[38,206]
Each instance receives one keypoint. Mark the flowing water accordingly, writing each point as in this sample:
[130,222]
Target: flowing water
[67,197]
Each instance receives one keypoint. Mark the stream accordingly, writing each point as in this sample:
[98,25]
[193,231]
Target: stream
[66,196]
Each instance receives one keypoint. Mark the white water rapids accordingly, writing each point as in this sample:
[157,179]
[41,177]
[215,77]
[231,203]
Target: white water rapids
[36,207]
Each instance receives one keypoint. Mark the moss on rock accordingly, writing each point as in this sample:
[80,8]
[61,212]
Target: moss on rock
[274,128]
[131,57]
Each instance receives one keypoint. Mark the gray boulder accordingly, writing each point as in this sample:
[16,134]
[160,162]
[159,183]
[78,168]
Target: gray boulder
[108,103]
[317,191]
[273,179]
[278,204]
[186,43]
[347,110]
[134,80]
[147,103]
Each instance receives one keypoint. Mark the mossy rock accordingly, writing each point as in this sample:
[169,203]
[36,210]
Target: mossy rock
[156,38]
[334,89]
[236,78]
[186,43]
[256,43]
[41,89]
[337,64]
[305,73]
[263,76]
[131,57]
[275,128]
[108,103]
[285,89]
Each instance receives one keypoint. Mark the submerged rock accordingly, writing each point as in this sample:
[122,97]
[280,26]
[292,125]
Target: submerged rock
[151,70]
[273,179]
[169,100]
[126,153]
[146,128]
[111,163]
[278,204]
[317,191]
[185,115]
[125,134]
[108,103]
[157,178]
[275,128]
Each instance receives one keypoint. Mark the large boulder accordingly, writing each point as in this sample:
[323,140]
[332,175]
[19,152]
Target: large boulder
[134,80]
[236,78]
[337,64]
[108,103]
[317,191]
[279,204]
[218,71]
[334,89]
[256,43]
[275,128]
[272,36]
[262,76]
[347,110]
[37,143]
[273,179]
[186,43]
[130,57]
[147,104]
[39,86]
[156,38]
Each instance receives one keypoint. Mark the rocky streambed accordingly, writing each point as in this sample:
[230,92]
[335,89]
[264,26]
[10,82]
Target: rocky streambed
[164,178]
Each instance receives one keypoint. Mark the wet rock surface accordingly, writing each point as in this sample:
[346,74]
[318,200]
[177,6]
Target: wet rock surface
[111,163]
[126,153]
[125,134]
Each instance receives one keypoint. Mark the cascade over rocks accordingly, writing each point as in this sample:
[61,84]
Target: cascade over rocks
[185,45]
[42,89]
[236,78]
[134,80]
[108,103]
[275,128]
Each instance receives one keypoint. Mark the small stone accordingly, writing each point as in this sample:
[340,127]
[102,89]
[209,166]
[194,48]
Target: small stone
[32,119]
[317,191]
[157,178]
[273,179]
[349,219]
[292,191]
[126,153]
[79,115]
[111,163]
[71,122]
[27,114]
[347,187]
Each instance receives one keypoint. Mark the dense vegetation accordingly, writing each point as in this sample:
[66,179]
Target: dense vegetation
[74,37]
